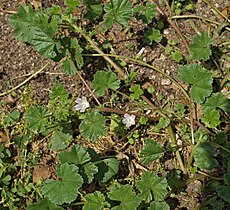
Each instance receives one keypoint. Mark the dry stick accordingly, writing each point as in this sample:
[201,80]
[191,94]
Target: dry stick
[195,17]
[121,74]
[89,89]
[217,11]
[7,41]
[121,112]
[24,82]
[169,20]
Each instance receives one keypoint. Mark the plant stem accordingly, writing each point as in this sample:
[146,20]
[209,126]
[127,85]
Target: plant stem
[89,89]
[24,82]
[169,20]
[121,74]
[217,11]
[174,142]
[194,16]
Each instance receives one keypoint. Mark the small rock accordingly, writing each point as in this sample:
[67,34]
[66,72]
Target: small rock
[165,82]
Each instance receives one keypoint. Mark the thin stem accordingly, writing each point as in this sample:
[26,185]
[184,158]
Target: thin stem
[194,16]
[24,82]
[174,142]
[121,112]
[216,10]
[169,20]
[89,89]
[97,49]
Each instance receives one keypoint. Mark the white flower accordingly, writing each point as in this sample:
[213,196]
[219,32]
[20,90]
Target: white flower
[82,104]
[129,120]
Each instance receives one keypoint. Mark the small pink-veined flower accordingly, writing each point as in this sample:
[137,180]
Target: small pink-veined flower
[82,104]
[128,120]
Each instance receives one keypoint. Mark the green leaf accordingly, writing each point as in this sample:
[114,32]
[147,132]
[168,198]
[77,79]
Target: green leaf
[200,80]
[36,29]
[94,9]
[151,186]
[119,11]
[95,201]
[93,126]
[43,38]
[72,4]
[78,155]
[216,203]
[156,205]
[63,190]
[22,23]
[76,51]
[163,123]
[151,151]
[211,118]
[204,156]
[107,168]
[224,192]
[136,91]
[201,46]
[124,193]
[59,141]
[90,169]
[227,178]
[105,80]
[145,13]
[44,204]
[11,118]
[216,100]
[177,56]
[152,35]
[58,93]
[37,118]
[68,67]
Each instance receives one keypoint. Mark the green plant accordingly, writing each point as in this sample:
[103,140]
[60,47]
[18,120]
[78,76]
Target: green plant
[85,176]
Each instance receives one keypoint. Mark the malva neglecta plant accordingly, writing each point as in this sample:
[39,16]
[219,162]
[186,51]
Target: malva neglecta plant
[85,177]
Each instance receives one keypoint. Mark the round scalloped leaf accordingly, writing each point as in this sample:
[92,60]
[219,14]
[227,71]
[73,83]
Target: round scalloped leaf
[200,80]
[78,155]
[93,126]
[119,11]
[211,118]
[151,186]
[59,141]
[95,201]
[124,193]
[156,205]
[204,156]
[44,204]
[224,192]
[151,151]
[65,189]
[216,100]
[103,81]
[201,46]
[37,118]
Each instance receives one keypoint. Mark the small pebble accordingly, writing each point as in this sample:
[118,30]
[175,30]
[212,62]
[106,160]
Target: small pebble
[165,82]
